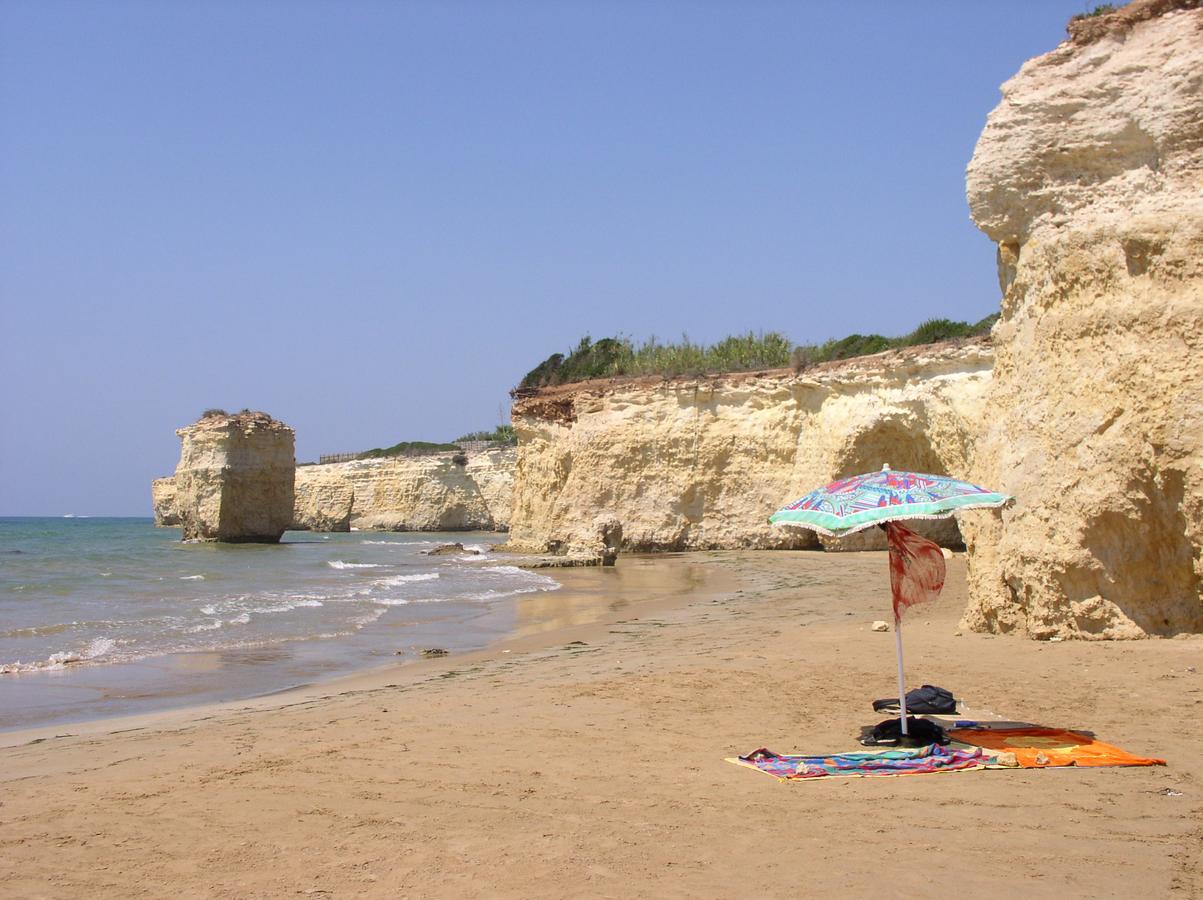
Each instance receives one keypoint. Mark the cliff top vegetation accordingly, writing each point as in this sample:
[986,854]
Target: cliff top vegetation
[214,416]
[407,448]
[502,434]
[616,356]
[1111,18]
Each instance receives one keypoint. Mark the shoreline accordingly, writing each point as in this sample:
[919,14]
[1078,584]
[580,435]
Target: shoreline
[577,585]
[495,774]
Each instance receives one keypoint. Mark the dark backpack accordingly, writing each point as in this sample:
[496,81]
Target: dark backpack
[926,700]
[920,732]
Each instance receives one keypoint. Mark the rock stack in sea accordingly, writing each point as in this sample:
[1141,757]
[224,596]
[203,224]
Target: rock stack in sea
[234,481]
[1088,176]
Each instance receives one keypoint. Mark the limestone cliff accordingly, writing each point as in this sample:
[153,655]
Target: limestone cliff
[234,481]
[422,493]
[1089,176]
[698,463]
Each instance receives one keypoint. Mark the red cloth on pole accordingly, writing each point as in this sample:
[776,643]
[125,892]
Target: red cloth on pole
[916,568]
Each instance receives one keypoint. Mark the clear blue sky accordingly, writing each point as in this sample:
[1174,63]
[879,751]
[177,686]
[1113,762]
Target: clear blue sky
[372,218]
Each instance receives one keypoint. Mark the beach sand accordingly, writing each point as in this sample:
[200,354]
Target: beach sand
[542,767]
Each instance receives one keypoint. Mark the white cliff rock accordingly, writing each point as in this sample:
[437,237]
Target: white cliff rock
[234,481]
[1089,175]
[419,493]
[700,463]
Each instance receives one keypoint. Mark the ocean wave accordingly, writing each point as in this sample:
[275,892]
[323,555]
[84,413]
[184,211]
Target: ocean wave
[339,564]
[38,630]
[96,648]
[406,601]
[192,578]
[262,605]
[488,596]
[369,617]
[407,579]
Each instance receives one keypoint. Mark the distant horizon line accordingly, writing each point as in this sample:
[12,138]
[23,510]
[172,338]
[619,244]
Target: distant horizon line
[74,516]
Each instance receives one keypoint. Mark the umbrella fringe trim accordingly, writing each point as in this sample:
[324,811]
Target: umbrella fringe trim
[844,532]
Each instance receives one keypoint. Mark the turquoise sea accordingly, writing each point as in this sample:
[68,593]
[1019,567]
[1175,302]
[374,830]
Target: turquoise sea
[107,616]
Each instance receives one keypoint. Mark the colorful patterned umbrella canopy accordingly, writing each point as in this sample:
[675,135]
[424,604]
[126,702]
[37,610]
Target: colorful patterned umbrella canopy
[862,501]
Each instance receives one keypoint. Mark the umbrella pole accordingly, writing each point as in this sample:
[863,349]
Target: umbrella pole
[901,677]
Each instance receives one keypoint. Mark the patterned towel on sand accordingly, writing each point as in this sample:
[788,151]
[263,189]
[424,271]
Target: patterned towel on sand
[919,761]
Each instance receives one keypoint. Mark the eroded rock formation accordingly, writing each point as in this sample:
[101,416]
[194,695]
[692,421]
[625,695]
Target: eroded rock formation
[162,496]
[422,493]
[1089,176]
[701,463]
[234,481]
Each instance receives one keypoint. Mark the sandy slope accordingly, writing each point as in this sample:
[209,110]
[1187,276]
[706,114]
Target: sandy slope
[596,769]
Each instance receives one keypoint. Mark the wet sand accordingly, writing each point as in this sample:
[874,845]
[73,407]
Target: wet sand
[587,760]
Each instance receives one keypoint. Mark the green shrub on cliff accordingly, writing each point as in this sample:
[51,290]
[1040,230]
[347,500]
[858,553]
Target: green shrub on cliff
[619,356]
[1102,9]
[740,353]
[930,332]
[406,448]
[502,434]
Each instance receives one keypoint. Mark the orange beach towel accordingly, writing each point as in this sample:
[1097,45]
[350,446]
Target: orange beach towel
[1036,748]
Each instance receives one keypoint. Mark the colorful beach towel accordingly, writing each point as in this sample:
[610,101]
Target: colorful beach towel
[919,761]
[1037,748]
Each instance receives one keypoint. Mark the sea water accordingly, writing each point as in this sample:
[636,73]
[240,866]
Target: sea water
[106,616]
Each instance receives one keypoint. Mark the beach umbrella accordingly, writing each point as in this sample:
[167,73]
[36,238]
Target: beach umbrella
[884,499]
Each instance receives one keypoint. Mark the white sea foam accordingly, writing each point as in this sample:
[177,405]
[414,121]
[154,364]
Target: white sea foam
[211,625]
[339,564]
[406,579]
[285,606]
[369,617]
[95,648]
[491,595]
[192,578]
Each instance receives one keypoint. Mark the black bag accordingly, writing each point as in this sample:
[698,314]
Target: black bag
[920,733]
[922,701]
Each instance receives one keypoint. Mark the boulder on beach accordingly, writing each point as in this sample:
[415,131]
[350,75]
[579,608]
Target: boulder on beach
[456,549]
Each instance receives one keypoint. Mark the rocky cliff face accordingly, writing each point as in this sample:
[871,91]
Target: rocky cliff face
[234,481]
[1089,175]
[701,463]
[424,493]
[162,496]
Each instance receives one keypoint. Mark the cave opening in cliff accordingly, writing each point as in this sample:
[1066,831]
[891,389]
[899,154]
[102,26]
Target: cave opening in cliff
[902,442]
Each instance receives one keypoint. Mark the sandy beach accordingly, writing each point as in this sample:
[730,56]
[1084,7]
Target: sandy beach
[587,760]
